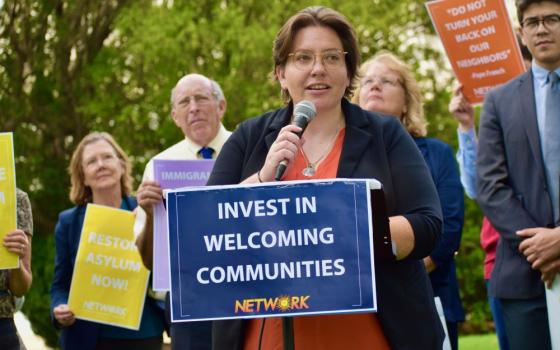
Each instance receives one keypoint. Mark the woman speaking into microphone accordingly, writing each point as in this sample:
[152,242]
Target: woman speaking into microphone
[316,58]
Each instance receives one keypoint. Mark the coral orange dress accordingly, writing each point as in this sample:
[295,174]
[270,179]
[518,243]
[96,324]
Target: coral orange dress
[351,331]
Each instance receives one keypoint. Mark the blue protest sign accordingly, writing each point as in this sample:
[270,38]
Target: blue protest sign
[290,248]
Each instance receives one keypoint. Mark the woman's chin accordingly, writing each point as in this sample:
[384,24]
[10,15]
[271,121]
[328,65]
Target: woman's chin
[104,186]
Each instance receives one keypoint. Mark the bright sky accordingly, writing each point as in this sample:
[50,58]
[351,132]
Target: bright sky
[512,12]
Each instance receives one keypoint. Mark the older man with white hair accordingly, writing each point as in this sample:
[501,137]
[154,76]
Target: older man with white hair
[198,106]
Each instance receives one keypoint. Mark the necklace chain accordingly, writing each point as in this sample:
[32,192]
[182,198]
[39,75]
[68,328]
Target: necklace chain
[311,167]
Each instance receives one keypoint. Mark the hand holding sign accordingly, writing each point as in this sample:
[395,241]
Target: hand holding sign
[479,42]
[17,243]
[64,315]
[461,109]
[149,194]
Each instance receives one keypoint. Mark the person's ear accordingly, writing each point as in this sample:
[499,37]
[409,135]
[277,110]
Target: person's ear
[521,36]
[175,117]
[280,75]
[222,108]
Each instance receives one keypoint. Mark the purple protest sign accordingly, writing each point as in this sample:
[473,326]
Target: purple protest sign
[172,174]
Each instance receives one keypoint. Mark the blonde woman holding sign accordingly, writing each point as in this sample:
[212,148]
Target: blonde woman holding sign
[100,174]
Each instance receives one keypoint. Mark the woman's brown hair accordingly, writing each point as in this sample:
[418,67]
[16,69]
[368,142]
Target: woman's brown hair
[322,17]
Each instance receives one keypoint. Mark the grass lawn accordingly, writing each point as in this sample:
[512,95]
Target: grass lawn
[478,342]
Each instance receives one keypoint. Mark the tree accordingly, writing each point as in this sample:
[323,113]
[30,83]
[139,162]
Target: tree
[45,49]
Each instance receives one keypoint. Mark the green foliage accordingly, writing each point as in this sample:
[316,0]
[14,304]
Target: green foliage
[70,67]
[37,301]
[479,342]
[470,270]
[470,274]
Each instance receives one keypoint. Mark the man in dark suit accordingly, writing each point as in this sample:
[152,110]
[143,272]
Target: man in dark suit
[518,178]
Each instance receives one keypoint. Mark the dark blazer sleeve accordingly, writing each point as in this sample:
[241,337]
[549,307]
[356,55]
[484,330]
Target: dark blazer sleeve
[495,193]
[63,266]
[229,166]
[511,183]
[412,188]
[403,288]
[245,151]
[450,192]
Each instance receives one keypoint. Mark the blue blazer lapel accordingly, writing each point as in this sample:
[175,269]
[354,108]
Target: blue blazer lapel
[526,102]
[356,139]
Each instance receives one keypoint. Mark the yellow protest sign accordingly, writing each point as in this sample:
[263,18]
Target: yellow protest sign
[109,280]
[8,214]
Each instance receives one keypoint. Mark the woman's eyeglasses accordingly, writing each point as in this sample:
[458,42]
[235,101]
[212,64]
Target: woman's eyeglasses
[368,81]
[104,159]
[305,59]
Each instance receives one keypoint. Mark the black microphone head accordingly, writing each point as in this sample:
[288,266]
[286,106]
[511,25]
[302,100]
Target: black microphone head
[304,112]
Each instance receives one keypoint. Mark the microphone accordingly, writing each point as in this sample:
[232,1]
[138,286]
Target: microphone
[304,112]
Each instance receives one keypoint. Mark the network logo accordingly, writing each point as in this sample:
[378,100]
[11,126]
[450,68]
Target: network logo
[283,303]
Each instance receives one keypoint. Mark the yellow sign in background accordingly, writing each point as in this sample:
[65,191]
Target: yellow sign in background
[8,214]
[109,280]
